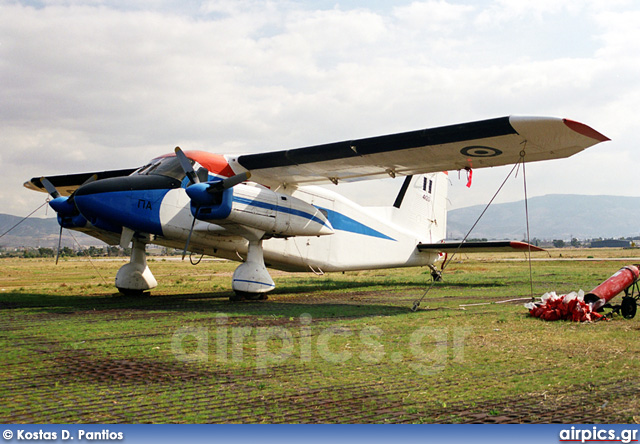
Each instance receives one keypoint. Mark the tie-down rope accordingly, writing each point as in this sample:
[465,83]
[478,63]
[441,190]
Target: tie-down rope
[417,302]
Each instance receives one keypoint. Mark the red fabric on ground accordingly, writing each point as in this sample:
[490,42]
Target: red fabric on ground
[570,307]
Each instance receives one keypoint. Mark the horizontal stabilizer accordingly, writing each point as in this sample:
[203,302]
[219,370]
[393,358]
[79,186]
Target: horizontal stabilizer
[478,247]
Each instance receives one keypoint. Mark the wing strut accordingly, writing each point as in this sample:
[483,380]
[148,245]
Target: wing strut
[526,212]
[403,191]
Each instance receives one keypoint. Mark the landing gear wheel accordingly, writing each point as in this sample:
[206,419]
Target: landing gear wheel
[436,274]
[628,307]
[246,296]
[130,292]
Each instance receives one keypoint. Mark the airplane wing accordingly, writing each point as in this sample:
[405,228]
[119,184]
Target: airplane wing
[478,247]
[68,183]
[479,144]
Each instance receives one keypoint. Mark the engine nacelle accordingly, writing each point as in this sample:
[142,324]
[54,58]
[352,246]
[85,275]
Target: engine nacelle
[274,213]
[68,214]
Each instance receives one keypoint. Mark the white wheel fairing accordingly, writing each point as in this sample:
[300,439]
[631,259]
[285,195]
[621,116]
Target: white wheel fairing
[136,275]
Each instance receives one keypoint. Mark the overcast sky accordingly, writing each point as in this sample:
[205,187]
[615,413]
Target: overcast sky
[93,85]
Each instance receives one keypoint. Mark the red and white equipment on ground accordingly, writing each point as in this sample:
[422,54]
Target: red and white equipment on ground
[586,307]
[616,284]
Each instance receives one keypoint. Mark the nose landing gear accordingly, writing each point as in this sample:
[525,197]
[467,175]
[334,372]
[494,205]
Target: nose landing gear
[135,278]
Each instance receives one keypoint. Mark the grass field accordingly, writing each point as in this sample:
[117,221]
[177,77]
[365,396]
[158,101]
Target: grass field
[336,348]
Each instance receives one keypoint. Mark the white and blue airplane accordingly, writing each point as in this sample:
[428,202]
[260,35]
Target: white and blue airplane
[267,208]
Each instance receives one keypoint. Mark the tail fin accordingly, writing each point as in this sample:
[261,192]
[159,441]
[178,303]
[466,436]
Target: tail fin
[422,206]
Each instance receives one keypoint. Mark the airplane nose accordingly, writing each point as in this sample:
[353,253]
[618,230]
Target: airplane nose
[131,201]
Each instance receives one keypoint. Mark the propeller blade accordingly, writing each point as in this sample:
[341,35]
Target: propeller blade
[235,180]
[59,243]
[53,192]
[203,174]
[90,179]
[185,163]
[229,182]
[186,246]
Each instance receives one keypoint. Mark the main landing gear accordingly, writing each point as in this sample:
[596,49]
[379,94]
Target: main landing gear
[251,280]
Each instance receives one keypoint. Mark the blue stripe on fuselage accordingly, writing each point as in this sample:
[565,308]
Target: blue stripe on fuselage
[344,223]
[337,220]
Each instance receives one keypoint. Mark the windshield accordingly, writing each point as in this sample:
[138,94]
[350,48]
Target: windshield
[165,166]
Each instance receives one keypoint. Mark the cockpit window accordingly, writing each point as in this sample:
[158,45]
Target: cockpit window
[165,166]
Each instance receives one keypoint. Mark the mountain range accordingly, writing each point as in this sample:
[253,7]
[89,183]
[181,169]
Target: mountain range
[555,216]
[40,232]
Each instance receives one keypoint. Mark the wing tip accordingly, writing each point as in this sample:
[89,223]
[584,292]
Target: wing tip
[523,246]
[585,130]
[33,184]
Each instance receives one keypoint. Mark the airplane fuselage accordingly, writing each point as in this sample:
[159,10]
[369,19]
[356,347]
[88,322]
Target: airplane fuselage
[363,238]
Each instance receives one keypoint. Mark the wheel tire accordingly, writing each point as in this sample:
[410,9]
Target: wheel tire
[628,307]
[256,296]
[237,296]
[245,296]
[130,292]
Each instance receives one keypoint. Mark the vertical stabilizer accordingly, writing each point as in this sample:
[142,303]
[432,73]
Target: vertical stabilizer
[422,206]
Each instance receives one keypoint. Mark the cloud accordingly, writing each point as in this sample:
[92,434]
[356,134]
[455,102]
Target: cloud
[99,85]
[509,11]
[433,17]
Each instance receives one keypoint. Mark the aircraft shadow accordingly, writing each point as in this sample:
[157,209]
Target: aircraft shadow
[117,305]
[318,298]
